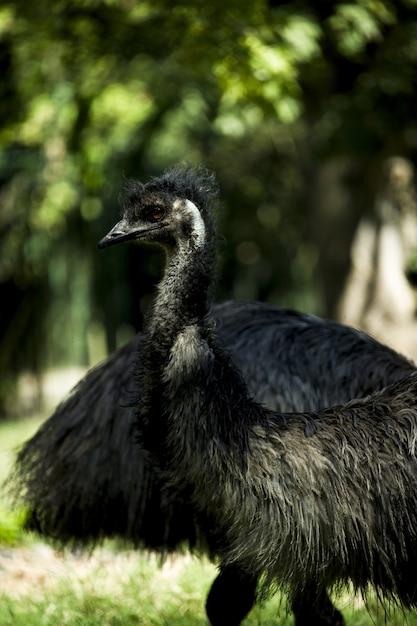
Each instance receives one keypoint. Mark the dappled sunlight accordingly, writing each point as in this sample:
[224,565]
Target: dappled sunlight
[306,113]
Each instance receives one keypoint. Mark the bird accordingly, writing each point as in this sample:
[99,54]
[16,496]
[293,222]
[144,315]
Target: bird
[304,499]
[72,493]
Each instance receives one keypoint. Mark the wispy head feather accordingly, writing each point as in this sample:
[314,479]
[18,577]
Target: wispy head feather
[129,197]
[192,183]
[183,181]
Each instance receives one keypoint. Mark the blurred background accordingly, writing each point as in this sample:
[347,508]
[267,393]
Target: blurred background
[306,111]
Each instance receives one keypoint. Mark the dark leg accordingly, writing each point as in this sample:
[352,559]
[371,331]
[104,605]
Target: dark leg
[231,597]
[314,608]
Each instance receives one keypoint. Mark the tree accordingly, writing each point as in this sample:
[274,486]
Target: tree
[269,95]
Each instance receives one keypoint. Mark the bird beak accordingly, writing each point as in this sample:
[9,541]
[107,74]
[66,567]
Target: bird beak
[123,231]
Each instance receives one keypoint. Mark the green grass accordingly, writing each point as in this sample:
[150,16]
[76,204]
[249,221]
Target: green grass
[143,597]
[116,588]
[12,435]
[138,592]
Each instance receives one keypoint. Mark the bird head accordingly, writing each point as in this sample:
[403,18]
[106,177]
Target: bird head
[173,207]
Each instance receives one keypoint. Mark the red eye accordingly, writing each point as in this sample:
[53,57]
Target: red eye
[155,215]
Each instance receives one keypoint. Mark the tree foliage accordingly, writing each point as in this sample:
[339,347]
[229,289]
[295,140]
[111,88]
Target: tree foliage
[266,94]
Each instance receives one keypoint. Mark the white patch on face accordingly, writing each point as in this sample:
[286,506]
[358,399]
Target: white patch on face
[198,226]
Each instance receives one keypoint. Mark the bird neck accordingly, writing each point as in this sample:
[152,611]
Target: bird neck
[182,302]
[186,381]
[183,293]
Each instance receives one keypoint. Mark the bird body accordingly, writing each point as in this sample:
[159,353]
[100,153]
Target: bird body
[329,497]
[325,497]
[83,476]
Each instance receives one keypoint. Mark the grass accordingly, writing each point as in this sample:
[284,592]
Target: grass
[142,594]
[12,435]
[136,591]
[40,587]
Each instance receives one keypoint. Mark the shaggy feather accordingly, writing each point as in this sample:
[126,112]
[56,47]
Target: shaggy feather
[83,478]
[326,497]
[197,185]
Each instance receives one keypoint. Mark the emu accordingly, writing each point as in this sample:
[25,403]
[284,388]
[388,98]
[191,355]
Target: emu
[308,500]
[73,494]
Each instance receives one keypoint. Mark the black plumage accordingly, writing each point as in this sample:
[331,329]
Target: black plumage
[83,477]
[310,498]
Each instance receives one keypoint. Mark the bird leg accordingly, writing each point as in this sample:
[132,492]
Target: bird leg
[231,597]
[313,607]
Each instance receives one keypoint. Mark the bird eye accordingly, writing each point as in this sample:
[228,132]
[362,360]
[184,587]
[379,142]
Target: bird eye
[155,214]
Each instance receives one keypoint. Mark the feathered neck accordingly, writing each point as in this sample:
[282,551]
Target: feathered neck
[182,301]
[183,293]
